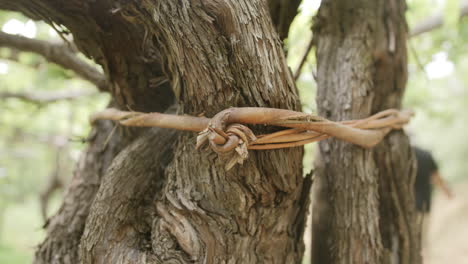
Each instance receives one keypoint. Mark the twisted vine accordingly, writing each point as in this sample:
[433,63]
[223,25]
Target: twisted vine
[227,134]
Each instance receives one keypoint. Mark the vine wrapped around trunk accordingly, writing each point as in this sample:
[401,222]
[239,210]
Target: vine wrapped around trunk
[226,133]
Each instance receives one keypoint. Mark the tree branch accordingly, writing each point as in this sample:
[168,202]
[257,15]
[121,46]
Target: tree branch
[297,74]
[58,54]
[436,21]
[46,97]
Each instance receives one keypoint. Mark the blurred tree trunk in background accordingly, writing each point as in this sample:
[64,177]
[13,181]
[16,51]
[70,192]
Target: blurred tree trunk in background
[146,195]
[364,211]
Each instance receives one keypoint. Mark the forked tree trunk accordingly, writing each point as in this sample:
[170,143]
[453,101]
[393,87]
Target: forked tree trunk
[369,213]
[160,200]
[219,54]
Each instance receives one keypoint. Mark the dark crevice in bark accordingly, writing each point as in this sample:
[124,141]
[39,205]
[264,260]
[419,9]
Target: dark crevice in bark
[303,212]
[283,13]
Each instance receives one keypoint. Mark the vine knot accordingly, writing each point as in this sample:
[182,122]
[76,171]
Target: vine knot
[230,140]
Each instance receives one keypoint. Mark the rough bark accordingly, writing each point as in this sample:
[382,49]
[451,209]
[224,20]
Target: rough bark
[162,201]
[205,44]
[118,228]
[219,54]
[361,54]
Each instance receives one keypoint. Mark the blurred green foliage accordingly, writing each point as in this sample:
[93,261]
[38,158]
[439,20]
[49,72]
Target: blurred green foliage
[438,88]
[30,134]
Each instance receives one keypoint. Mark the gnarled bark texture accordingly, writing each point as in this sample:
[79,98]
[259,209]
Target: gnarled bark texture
[153,198]
[369,216]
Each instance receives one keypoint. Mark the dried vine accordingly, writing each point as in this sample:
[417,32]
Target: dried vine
[226,133]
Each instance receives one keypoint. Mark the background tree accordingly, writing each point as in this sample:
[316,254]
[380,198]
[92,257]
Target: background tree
[361,69]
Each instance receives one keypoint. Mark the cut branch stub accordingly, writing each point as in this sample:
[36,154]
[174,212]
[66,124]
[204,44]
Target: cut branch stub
[227,136]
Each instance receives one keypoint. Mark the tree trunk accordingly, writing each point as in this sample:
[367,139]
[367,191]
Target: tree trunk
[160,200]
[219,54]
[370,217]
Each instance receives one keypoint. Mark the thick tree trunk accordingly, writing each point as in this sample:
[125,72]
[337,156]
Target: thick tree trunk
[369,216]
[160,200]
[220,54]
